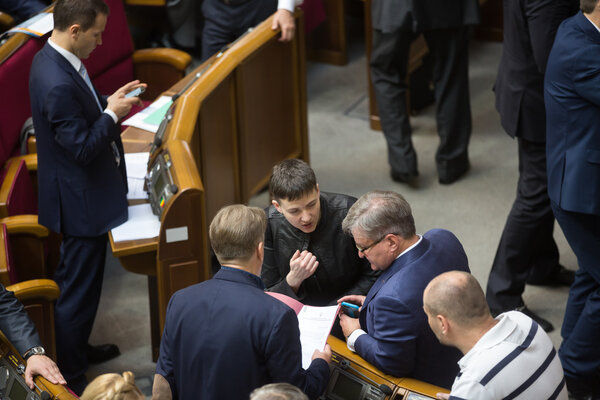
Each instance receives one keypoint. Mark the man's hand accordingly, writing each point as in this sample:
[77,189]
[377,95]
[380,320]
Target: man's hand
[44,366]
[443,396]
[284,19]
[302,265]
[120,105]
[325,354]
[348,324]
[354,299]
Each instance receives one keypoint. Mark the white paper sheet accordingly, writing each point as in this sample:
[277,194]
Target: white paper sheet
[136,189]
[141,224]
[137,164]
[315,324]
[38,25]
[146,120]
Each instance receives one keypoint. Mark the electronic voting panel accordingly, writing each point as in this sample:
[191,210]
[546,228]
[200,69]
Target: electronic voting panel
[12,378]
[352,378]
[161,187]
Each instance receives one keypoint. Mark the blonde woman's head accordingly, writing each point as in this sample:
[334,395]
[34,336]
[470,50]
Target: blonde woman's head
[113,387]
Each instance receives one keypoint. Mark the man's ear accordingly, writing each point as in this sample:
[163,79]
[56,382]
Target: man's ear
[318,192]
[444,324]
[260,251]
[277,206]
[74,30]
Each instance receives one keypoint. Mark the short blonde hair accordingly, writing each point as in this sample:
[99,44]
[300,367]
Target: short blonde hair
[236,231]
[113,387]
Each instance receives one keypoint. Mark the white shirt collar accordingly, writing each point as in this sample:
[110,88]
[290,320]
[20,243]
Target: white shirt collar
[411,247]
[71,58]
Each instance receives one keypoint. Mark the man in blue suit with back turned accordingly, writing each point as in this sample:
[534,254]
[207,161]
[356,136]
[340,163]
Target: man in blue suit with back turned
[81,172]
[226,336]
[392,332]
[572,97]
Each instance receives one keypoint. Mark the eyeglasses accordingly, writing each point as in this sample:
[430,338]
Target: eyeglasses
[364,249]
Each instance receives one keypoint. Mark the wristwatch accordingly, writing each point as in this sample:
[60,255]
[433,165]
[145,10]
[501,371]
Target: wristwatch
[34,351]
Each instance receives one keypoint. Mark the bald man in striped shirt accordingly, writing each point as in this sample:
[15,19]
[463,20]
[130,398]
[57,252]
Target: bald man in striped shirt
[509,356]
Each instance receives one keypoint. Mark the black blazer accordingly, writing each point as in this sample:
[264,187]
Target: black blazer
[82,191]
[15,323]
[529,30]
[423,15]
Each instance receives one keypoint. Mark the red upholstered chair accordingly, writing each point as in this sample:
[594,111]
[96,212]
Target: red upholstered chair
[17,190]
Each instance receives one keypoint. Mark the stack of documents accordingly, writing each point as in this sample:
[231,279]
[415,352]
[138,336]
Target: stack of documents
[141,224]
[137,165]
[149,118]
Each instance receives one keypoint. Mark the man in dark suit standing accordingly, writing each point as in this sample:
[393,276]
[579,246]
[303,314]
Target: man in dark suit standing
[16,325]
[392,332]
[81,171]
[527,251]
[445,27]
[226,336]
[572,98]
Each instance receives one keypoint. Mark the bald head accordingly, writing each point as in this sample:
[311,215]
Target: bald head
[458,296]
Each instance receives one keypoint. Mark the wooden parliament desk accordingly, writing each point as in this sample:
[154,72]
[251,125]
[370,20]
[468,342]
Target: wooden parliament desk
[353,378]
[178,257]
[12,380]
[241,112]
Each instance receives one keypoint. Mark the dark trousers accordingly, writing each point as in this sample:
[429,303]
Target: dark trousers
[527,250]
[225,23]
[79,277]
[580,352]
[22,9]
[389,65]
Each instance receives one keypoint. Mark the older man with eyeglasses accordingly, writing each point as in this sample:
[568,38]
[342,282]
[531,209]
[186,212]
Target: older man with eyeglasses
[392,331]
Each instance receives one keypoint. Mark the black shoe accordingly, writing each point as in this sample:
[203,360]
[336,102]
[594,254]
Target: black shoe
[449,178]
[546,325]
[560,277]
[101,353]
[402,177]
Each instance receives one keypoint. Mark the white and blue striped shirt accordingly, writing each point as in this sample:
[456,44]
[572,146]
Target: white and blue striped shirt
[513,360]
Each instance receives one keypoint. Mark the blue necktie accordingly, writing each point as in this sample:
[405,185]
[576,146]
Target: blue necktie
[86,78]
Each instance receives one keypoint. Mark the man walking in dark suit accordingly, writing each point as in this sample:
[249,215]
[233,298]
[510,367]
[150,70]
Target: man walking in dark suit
[225,337]
[445,27]
[527,251]
[572,98]
[392,331]
[81,171]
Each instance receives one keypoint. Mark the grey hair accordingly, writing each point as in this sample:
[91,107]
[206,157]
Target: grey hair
[378,213]
[278,391]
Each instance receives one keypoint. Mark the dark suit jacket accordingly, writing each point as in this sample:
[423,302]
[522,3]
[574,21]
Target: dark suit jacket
[82,192]
[399,340]
[529,30]
[572,96]
[423,15]
[225,337]
[15,323]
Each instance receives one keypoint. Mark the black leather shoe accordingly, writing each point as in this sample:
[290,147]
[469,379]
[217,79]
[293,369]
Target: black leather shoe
[402,177]
[546,325]
[560,277]
[101,353]
[450,178]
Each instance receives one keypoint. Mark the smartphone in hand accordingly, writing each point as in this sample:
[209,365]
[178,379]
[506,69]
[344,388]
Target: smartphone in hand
[135,92]
[350,309]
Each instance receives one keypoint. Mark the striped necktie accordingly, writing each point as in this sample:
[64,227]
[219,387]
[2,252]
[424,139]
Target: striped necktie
[83,72]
